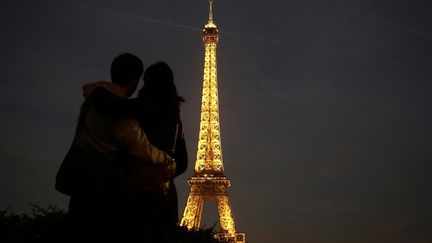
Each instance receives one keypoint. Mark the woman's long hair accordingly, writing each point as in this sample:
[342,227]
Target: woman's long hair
[159,87]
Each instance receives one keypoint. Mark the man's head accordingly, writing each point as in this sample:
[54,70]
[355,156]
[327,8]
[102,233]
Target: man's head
[126,70]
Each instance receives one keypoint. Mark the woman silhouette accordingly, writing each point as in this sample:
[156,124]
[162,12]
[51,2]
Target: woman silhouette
[160,120]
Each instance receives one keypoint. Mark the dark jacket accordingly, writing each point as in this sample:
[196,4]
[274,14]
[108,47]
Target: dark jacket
[94,158]
[163,126]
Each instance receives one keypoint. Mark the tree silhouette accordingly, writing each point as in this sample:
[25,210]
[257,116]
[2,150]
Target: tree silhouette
[49,225]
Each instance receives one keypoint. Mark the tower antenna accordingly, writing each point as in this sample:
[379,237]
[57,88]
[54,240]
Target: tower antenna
[211,11]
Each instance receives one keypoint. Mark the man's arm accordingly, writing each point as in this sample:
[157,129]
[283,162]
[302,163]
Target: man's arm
[133,139]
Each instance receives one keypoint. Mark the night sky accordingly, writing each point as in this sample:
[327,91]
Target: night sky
[325,105]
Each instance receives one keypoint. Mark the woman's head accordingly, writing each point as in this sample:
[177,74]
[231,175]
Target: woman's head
[159,84]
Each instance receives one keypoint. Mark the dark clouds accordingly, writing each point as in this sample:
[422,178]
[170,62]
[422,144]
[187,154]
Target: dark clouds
[325,105]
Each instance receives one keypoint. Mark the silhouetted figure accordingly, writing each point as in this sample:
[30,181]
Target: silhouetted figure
[154,200]
[95,170]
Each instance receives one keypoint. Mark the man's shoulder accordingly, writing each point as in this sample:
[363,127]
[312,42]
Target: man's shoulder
[94,112]
[108,86]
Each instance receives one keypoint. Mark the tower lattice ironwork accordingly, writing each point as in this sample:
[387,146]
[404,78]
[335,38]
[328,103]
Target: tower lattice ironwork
[209,181]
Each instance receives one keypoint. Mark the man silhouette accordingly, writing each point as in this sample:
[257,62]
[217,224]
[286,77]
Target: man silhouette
[93,170]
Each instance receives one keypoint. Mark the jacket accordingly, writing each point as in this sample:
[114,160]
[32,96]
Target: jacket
[139,176]
[161,122]
[112,149]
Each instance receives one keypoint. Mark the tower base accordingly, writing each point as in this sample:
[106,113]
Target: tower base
[229,238]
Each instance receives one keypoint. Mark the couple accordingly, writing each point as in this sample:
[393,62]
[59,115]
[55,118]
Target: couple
[125,154]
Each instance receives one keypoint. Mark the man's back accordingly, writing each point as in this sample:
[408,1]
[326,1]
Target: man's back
[96,131]
[109,135]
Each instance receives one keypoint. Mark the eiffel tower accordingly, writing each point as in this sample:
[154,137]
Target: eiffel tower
[209,181]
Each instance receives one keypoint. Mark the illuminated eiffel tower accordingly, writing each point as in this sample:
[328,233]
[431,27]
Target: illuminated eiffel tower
[209,181]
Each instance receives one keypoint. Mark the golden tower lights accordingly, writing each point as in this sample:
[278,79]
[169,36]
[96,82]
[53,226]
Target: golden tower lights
[209,181]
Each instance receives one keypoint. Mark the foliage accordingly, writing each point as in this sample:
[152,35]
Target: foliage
[200,236]
[49,225]
[42,225]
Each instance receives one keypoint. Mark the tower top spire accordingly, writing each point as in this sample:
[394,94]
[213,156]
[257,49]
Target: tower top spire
[211,11]
[210,23]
